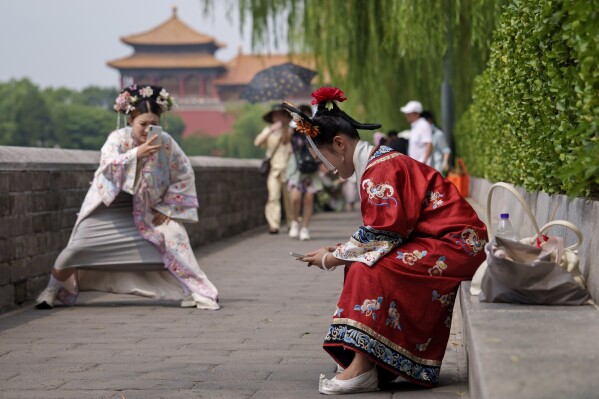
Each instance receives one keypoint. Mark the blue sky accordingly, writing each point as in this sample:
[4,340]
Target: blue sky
[67,42]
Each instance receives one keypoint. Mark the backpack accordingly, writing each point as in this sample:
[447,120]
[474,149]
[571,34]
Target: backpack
[304,160]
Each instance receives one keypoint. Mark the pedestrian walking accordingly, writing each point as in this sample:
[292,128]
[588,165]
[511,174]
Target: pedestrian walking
[303,182]
[441,151]
[421,133]
[419,239]
[129,236]
[276,138]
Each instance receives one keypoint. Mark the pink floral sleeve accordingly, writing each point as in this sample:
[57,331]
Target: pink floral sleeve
[118,164]
[180,200]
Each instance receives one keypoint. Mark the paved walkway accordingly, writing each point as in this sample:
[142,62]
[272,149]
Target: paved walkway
[265,342]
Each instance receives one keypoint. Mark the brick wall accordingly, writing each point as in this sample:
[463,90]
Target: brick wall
[41,191]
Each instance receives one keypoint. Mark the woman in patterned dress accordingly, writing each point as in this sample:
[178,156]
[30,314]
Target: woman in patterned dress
[419,239]
[129,236]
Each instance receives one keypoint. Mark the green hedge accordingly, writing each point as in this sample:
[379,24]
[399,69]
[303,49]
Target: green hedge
[534,117]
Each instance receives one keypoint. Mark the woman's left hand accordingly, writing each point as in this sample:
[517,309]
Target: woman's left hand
[315,258]
[160,218]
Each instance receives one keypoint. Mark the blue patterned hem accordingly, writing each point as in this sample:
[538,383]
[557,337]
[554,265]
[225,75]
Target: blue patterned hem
[382,150]
[366,234]
[343,334]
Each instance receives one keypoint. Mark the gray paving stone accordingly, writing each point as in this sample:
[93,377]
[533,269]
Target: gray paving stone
[34,393]
[127,383]
[183,394]
[38,384]
[265,342]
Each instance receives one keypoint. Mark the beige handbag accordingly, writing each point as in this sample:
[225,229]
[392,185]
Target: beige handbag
[567,257]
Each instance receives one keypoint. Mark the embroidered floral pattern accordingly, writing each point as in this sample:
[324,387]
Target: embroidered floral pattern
[358,339]
[173,198]
[437,269]
[338,312]
[370,306]
[470,241]
[422,347]
[409,258]
[366,252]
[445,300]
[379,194]
[393,319]
[433,197]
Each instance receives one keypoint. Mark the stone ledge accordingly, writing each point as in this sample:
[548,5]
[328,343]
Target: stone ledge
[27,158]
[32,158]
[216,162]
[529,352]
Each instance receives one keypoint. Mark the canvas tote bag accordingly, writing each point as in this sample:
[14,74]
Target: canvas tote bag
[534,270]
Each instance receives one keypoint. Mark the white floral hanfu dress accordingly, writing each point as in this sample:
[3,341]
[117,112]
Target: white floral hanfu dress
[418,241]
[114,225]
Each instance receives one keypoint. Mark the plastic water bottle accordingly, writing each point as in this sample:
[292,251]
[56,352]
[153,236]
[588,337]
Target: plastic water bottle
[505,228]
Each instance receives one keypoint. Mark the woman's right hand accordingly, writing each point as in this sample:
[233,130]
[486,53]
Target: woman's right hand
[275,126]
[146,149]
[314,258]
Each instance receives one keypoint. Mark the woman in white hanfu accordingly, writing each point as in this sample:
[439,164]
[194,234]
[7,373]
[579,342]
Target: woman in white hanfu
[129,237]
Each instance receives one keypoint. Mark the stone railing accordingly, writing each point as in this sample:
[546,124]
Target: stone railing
[41,191]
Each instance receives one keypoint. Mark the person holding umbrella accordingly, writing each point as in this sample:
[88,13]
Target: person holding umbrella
[275,138]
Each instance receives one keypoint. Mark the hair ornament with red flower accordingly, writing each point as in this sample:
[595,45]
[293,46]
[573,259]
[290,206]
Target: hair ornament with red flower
[305,125]
[327,95]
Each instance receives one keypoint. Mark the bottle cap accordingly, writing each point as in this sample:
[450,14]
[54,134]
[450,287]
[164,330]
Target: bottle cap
[504,216]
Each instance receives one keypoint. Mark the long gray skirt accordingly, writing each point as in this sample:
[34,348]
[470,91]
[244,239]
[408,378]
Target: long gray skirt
[108,240]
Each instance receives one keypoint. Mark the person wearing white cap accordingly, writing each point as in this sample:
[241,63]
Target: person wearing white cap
[420,146]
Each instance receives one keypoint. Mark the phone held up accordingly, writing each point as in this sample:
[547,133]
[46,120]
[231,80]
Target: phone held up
[155,131]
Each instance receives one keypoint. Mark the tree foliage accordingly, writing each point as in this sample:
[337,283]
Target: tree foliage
[383,52]
[61,117]
[534,118]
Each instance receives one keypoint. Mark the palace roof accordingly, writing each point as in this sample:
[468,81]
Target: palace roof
[167,61]
[171,32]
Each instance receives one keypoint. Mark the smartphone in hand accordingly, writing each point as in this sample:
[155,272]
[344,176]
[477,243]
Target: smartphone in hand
[296,255]
[155,130]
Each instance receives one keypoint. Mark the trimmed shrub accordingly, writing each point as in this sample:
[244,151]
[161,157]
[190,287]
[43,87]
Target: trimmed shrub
[534,117]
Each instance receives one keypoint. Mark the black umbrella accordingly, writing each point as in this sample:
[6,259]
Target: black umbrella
[278,82]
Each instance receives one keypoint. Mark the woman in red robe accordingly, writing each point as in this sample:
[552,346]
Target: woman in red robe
[419,239]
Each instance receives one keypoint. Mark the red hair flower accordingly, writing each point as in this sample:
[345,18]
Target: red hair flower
[327,93]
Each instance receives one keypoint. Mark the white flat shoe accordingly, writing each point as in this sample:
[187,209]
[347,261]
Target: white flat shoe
[188,302]
[366,382]
[46,298]
[199,303]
